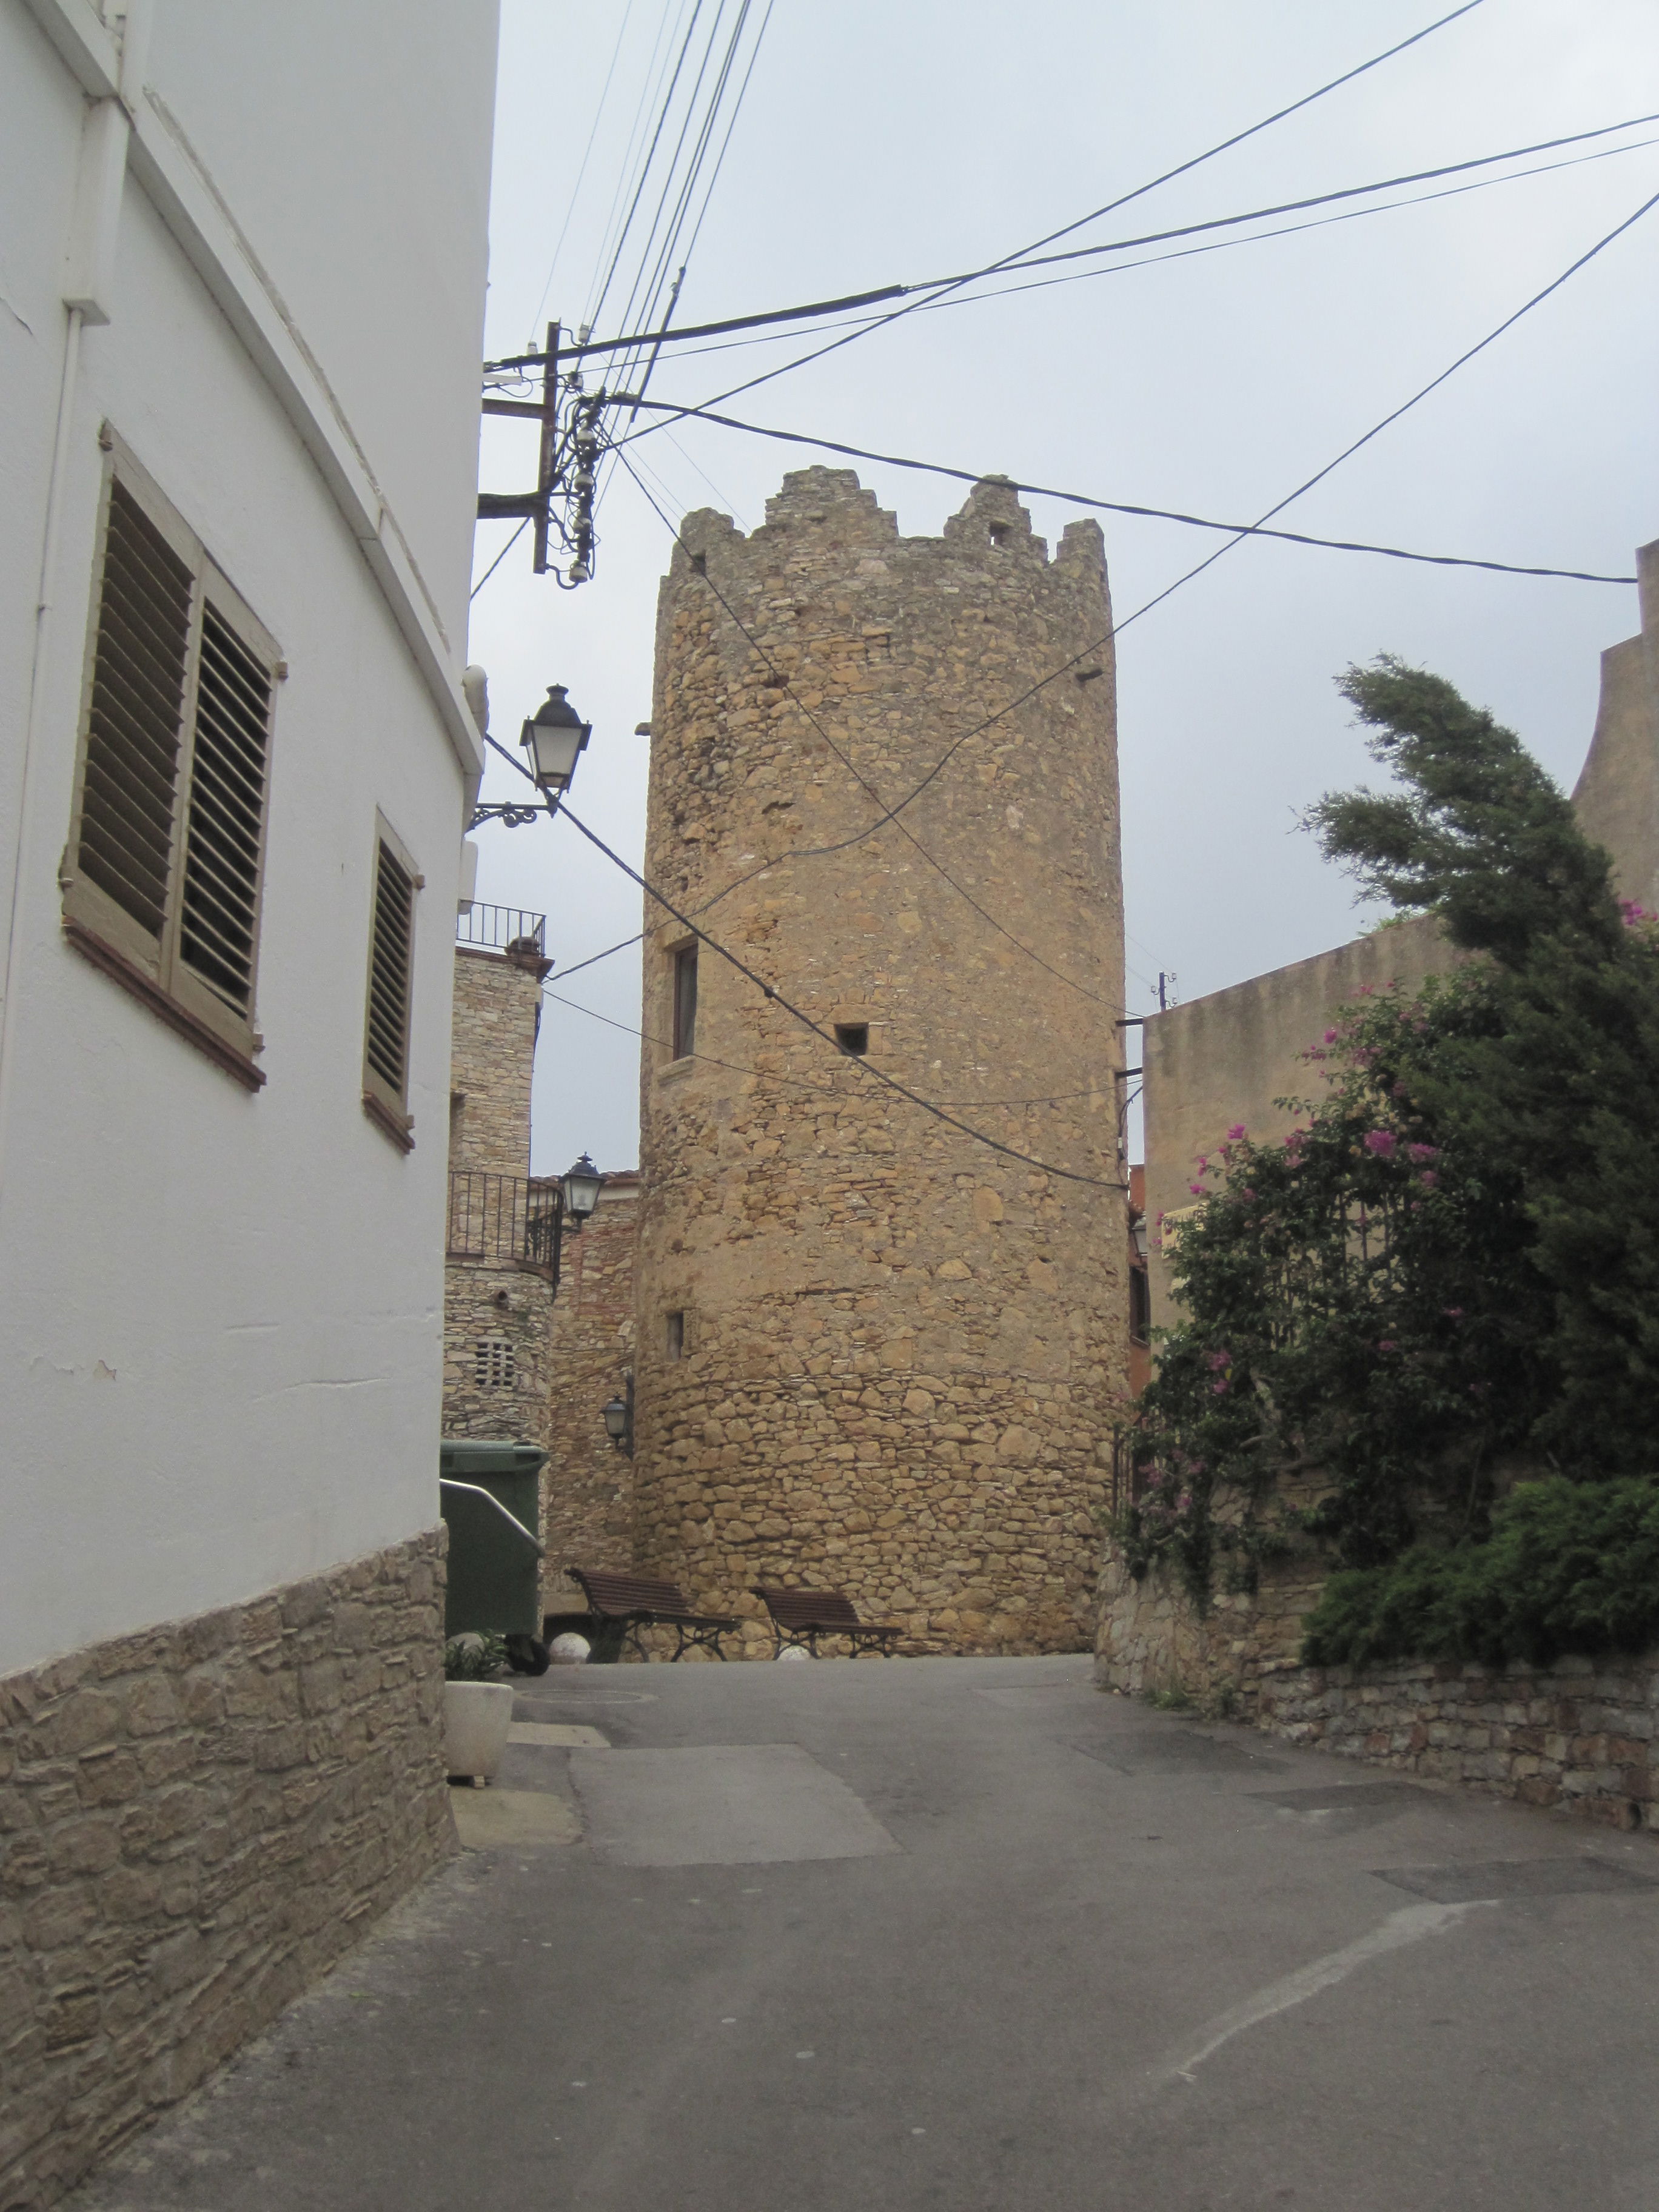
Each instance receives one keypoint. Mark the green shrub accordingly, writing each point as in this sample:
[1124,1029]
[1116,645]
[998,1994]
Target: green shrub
[474,1658]
[1569,1566]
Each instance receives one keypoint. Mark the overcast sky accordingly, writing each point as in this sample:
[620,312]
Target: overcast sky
[882,144]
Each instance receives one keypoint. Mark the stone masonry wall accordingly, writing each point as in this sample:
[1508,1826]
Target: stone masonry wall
[497,1011]
[194,1821]
[899,1355]
[1579,1734]
[491,1299]
[589,1510]
[488,1306]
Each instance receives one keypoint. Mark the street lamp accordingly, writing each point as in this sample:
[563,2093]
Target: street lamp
[619,1418]
[554,736]
[581,1185]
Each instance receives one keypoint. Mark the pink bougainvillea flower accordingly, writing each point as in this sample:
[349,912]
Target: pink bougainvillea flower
[1329,1037]
[1423,1152]
[1218,1360]
[1237,1134]
[1196,1188]
[1218,1387]
[1380,1141]
[1428,1179]
[1634,913]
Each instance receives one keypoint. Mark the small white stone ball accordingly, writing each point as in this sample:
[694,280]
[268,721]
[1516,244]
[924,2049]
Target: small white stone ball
[794,1651]
[569,1649]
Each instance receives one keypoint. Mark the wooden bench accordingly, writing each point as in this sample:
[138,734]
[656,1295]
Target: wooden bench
[801,1617]
[624,1604]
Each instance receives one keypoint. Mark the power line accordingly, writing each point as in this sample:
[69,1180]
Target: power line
[798,1014]
[846,762]
[798,1082]
[1037,245]
[1238,534]
[575,190]
[1117,269]
[498,558]
[1174,514]
[1110,245]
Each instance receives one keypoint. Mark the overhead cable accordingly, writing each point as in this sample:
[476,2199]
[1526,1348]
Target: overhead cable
[1053,237]
[798,1014]
[1110,246]
[886,812]
[1175,515]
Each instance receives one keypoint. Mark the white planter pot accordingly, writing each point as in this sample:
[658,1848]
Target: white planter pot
[476,1716]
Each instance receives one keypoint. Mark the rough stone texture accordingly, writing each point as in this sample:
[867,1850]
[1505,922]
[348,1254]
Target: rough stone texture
[194,1820]
[497,1013]
[903,1354]
[1579,1733]
[492,1296]
[589,1509]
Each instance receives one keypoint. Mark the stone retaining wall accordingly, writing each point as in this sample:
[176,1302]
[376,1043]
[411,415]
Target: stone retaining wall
[1579,1733]
[194,1821]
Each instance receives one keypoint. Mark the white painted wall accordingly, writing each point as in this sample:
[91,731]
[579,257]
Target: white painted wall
[220,1313]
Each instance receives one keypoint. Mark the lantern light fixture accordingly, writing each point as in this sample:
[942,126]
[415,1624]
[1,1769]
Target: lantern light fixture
[555,737]
[580,1185]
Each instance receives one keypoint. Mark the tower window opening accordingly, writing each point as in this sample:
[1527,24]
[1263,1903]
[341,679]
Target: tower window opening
[674,1335]
[853,1038]
[685,1001]
[999,533]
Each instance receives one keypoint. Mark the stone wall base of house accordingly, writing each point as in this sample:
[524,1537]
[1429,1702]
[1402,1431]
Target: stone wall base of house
[195,1820]
[1581,1734]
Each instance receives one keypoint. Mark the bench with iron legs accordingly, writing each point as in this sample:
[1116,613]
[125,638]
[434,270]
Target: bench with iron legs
[620,1606]
[800,1616]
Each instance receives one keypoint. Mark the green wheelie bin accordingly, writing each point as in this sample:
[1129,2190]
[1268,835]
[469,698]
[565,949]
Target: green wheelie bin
[490,1496]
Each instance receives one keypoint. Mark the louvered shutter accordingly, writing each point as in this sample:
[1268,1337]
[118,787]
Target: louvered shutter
[125,831]
[391,975]
[218,930]
[166,847]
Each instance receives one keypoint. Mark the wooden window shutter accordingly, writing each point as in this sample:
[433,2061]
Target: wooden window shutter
[390,978]
[166,860]
[125,832]
[219,919]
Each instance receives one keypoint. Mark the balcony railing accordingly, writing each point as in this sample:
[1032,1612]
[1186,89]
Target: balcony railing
[497,1218]
[502,929]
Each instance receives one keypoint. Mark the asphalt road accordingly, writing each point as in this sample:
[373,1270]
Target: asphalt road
[963,1934]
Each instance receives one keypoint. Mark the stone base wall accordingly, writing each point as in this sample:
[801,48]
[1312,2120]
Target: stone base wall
[485,1305]
[195,1820]
[962,1508]
[588,1512]
[1579,1734]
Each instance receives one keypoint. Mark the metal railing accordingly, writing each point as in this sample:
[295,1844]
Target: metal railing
[497,1218]
[501,928]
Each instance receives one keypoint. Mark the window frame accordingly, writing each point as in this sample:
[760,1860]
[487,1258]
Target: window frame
[151,965]
[386,1107]
[682,1034]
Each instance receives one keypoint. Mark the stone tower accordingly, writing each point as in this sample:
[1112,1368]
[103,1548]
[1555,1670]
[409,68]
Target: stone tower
[872,1353]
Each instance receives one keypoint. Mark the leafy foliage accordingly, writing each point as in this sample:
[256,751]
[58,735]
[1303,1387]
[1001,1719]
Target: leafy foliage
[474,1658]
[1452,1262]
[1569,1566]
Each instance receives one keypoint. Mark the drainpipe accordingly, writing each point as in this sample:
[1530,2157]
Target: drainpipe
[88,288]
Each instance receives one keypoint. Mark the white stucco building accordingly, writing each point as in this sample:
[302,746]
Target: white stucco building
[242,266]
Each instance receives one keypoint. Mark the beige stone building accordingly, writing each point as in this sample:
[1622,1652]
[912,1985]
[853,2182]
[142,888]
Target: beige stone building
[502,1233]
[872,1351]
[589,1511]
